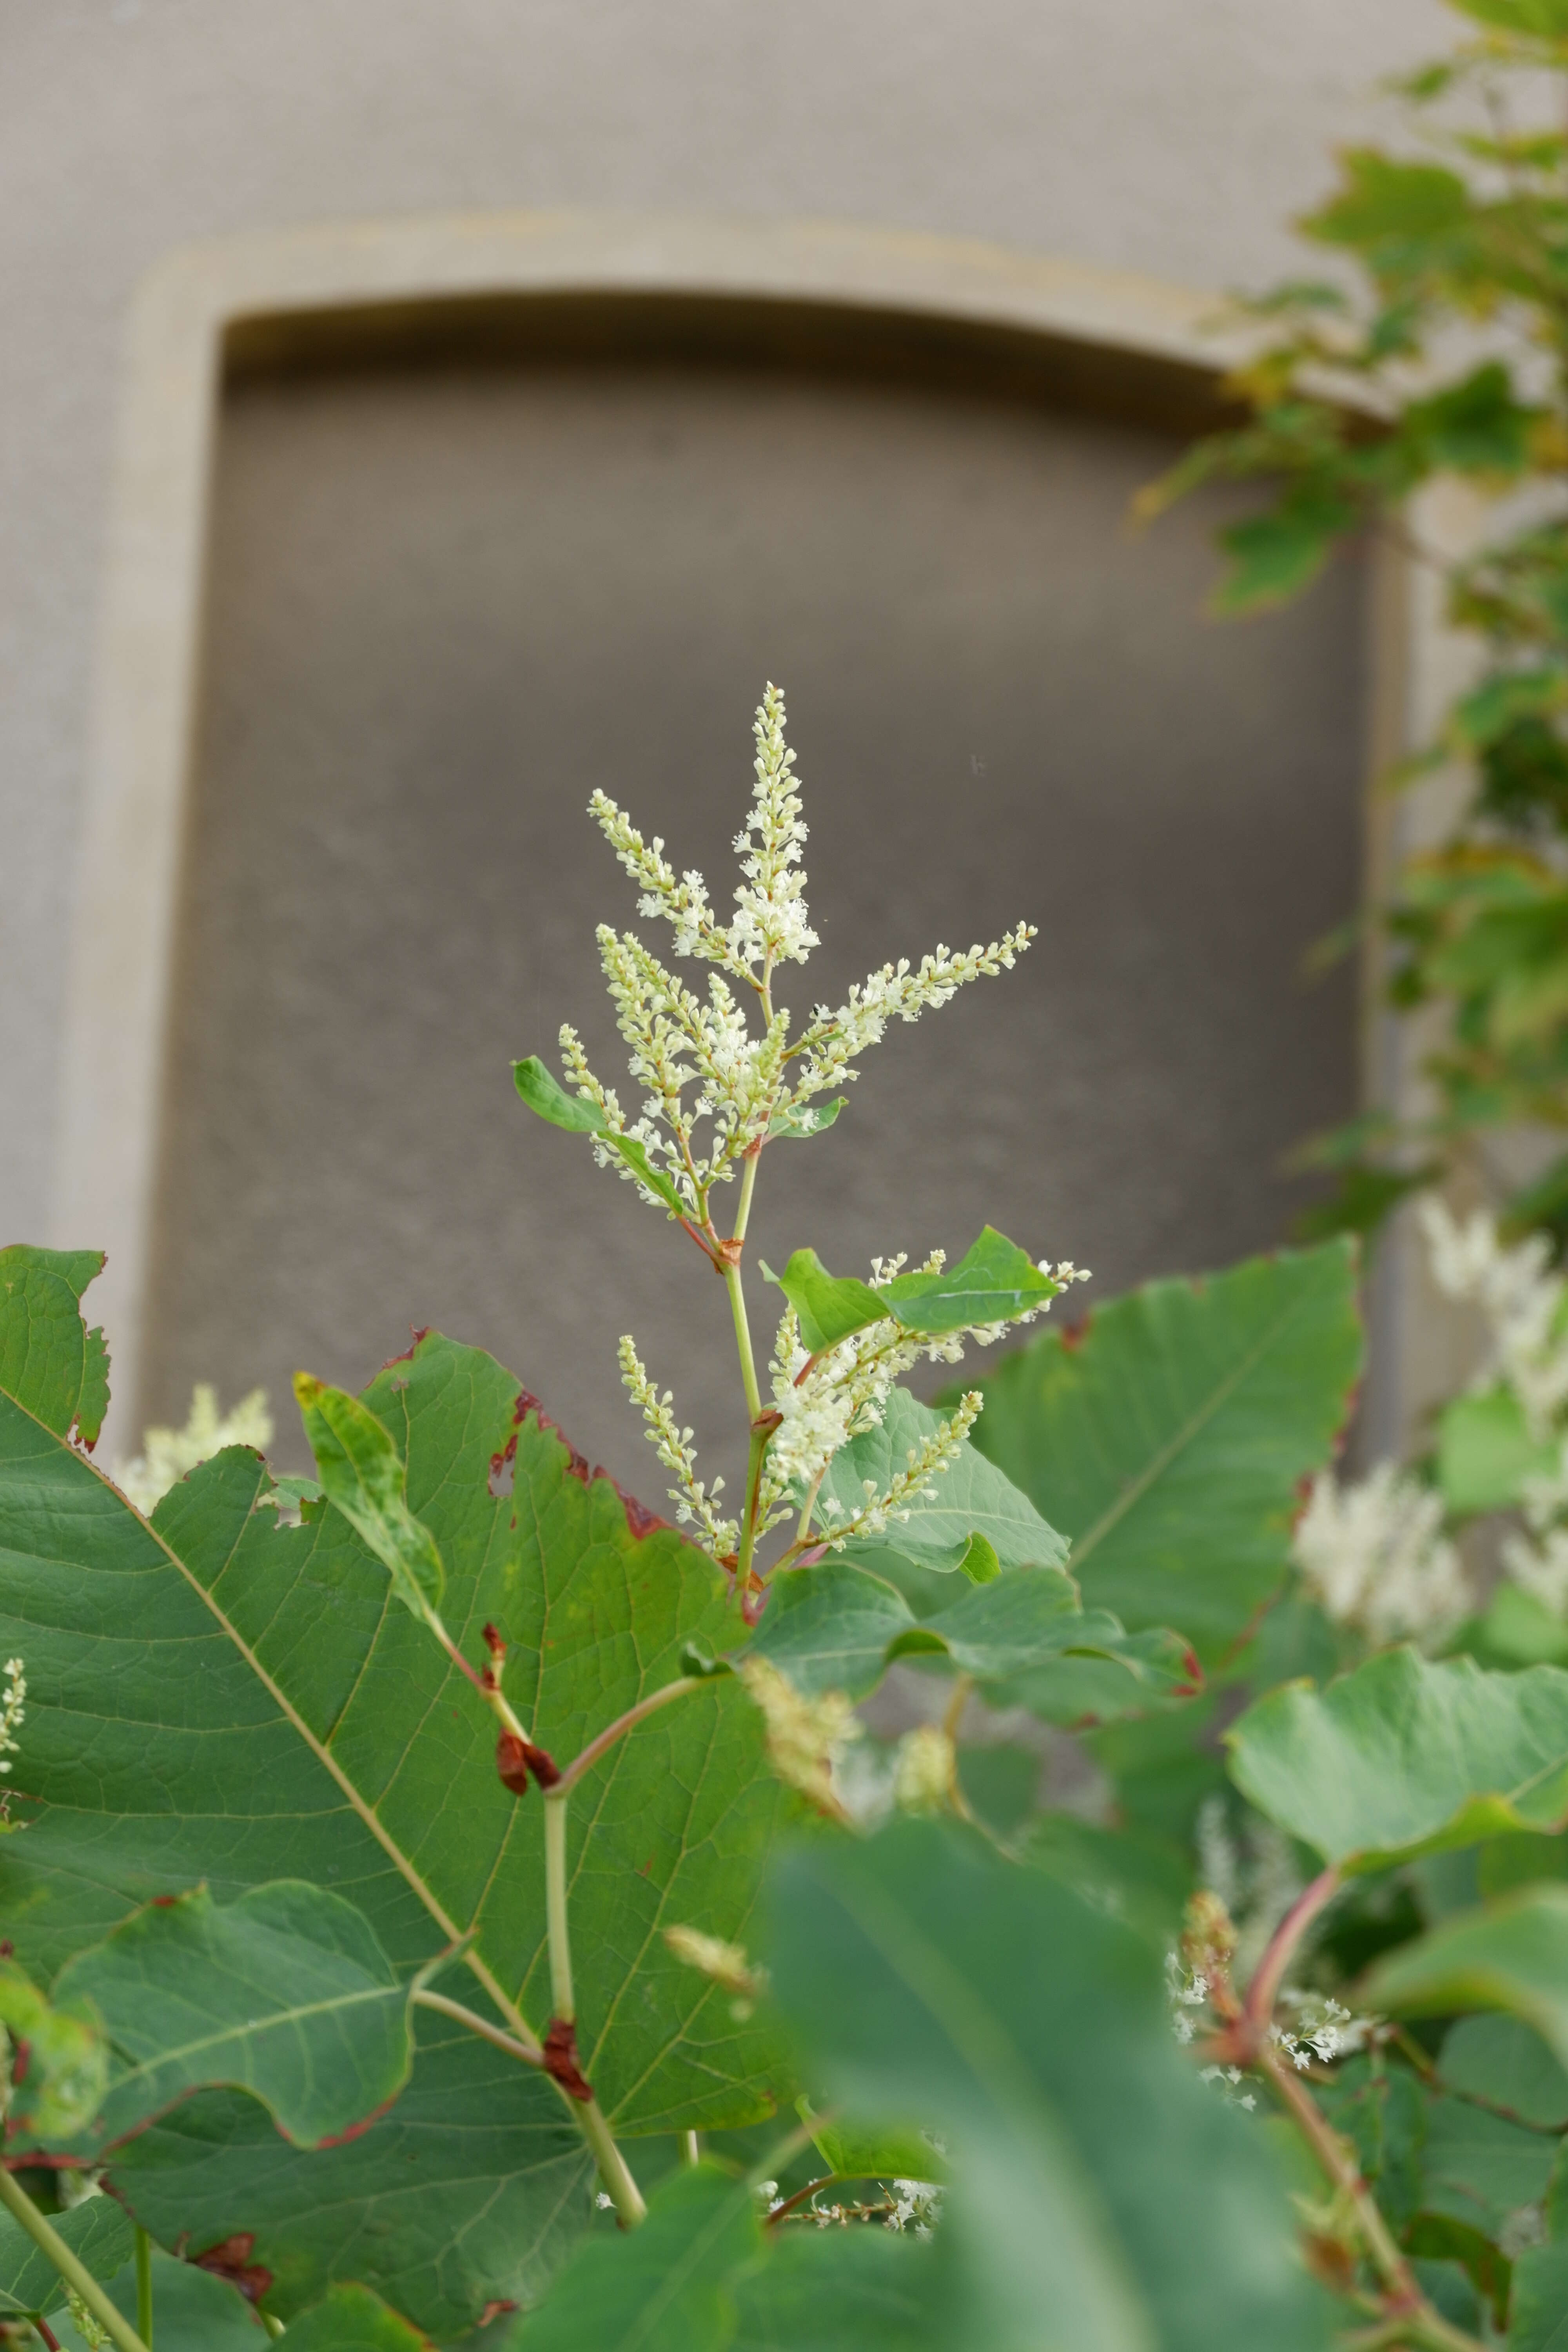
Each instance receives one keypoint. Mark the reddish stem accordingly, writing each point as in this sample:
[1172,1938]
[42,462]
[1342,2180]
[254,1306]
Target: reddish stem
[1270,1973]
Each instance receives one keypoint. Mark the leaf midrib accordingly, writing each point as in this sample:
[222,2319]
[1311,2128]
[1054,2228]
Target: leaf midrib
[252,2030]
[1185,1436]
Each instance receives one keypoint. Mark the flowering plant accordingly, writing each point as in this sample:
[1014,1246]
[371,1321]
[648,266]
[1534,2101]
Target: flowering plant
[446,1903]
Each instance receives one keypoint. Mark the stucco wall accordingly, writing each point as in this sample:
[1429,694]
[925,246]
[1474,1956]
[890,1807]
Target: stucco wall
[1172,136]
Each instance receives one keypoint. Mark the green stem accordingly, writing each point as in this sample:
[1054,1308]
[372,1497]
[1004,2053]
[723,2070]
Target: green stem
[616,1730]
[531,2055]
[749,1524]
[561,2001]
[273,2327]
[743,1341]
[690,2147]
[49,2242]
[144,2284]
[614,2170]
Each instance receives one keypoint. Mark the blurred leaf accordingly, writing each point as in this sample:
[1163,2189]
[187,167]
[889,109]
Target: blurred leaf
[1505,2062]
[194,2310]
[1274,555]
[1485,1452]
[663,2288]
[351,2319]
[1389,207]
[1476,426]
[1404,1757]
[1512,1956]
[1099,2194]
[1169,1435]
[1381,2109]
[55,2092]
[1538,2311]
[836,2291]
[1479,2168]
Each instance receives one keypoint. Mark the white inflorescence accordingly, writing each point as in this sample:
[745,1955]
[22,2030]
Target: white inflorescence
[694,1502]
[1524,1303]
[1375,1557]
[804,1734]
[13,1711]
[168,1454]
[924,1770]
[696,1057]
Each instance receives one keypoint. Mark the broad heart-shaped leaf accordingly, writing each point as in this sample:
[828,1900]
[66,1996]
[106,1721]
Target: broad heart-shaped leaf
[837,1627]
[362,1473]
[1101,2202]
[68,2059]
[547,1097]
[472,2190]
[215,1697]
[45,1349]
[993,1281]
[1404,1757]
[351,2319]
[1168,1437]
[285,1993]
[970,1497]
[99,2233]
[1512,1956]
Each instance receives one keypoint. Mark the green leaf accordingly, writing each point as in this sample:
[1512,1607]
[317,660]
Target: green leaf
[285,1993]
[1476,426]
[361,1474]
[1272,557]
[1479,2168]
[1546,20]
[837,2291]
[991,1282]
[218,1698]
[68,2059]
[1384,201]
[854,2154]
[351,2319]
[550,1098]
[1485,1452]
[1506,2065]
[1097,2191]
[665,2288]
[801,1121]
[45,1350]
[972,1498]
[1168,1438]
[1384,2113]
[1538,2311]
[837,1627]
[193,2311]
[1404,1757]
[1513,1955]
[99,2232]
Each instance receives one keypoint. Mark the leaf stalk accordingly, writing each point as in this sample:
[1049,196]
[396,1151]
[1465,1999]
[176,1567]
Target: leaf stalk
[76,2275]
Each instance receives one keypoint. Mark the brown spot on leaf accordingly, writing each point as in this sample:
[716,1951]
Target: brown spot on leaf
[230,2260]
[496,2311]
[420,1332]
[503,1468]
[561,2059]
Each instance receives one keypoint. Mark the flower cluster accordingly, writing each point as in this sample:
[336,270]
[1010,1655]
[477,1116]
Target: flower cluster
[1324,2030]
[725,1965]
[167,1455]
[694,1502]
[13,1711]
[804,1734]
[1524,1304]
[1375,1557]
[698,1059]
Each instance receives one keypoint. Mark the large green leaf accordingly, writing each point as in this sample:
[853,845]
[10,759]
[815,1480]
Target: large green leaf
[992,1282]
[1512,1956]
[837,1627]
[1478,2169]
[193,2310]
[285,1993]
[215,1697]
[836,2291]
[1102,2199]
[98,2233]
[1403,1758]
[1168,1437]
[971,1497]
